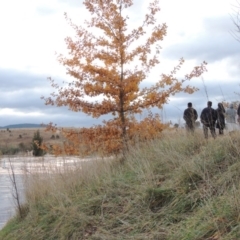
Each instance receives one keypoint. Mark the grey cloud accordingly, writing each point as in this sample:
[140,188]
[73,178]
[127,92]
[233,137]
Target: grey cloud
[21,92]
[233,66]
[215,43]
[213,90]
[12,79]
[21,100]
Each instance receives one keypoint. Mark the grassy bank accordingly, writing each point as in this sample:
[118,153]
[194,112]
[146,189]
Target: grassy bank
[178,187]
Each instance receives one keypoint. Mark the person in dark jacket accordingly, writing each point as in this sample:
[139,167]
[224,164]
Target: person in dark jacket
[238,113]
[220,118]
[190,116]
[208,119]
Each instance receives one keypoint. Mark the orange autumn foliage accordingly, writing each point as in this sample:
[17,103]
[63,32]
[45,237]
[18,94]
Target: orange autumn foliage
[106,139]
[109,66]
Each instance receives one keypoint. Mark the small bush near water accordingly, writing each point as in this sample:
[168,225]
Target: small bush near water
[36,144]
[177,187]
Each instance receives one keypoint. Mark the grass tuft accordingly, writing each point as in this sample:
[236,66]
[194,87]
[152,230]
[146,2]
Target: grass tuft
[176,187]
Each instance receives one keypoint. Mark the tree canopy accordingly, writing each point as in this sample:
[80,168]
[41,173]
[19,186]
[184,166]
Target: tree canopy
[108,60]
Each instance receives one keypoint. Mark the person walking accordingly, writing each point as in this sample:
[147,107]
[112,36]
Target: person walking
[231,118]
[220,118]
[190,116]
[208,119]
[238,113]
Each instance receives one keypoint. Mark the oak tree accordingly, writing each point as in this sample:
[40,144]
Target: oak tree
[108,60]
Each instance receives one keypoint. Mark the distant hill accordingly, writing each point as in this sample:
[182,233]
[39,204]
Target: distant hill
[23,125]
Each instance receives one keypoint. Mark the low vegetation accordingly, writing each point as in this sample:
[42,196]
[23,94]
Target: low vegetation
[19,140]
[177,187]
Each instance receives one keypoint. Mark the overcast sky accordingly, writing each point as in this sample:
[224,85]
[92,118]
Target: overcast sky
[31,32]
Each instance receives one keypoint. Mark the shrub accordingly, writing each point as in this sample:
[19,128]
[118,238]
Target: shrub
[36,144]
[9,150]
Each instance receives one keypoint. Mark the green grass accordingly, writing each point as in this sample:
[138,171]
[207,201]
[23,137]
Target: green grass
[177,187]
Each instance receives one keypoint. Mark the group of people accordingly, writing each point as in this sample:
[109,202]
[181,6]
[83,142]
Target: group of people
[211,118]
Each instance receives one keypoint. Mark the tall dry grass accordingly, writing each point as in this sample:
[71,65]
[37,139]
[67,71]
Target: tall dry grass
[177,187]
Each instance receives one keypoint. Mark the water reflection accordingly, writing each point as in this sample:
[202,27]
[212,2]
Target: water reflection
[7,192]
[27,165]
